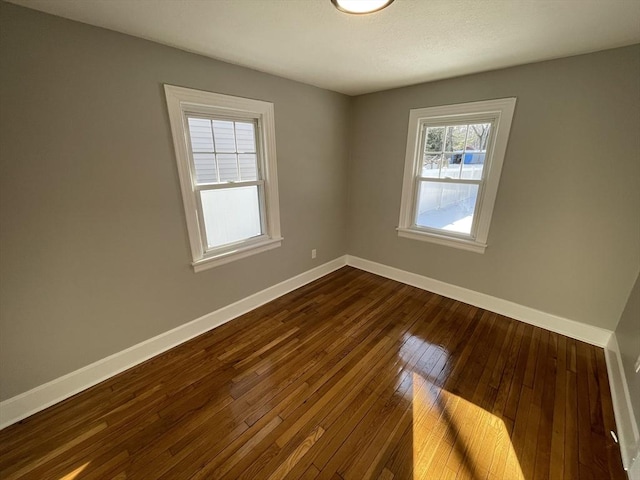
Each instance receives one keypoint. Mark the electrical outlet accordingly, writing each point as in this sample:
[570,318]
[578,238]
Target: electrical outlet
[313,253]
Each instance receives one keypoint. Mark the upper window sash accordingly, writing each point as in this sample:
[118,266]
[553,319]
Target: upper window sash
[257,151]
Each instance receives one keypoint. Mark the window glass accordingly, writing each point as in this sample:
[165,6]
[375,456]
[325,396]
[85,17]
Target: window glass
[201,134]
[223,151]
[228,167]
[231,214]
[224,136]
[245,137]
[435,140]
[206,167]
[248,166]
[446,206]
[455,138]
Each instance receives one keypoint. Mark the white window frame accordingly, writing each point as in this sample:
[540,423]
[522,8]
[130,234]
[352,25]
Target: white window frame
[185,101]
[500,114]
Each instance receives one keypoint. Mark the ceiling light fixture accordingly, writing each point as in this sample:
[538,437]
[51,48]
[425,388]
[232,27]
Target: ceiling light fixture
[361,7]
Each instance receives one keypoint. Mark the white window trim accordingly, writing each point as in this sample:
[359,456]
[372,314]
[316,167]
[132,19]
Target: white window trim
[500,112]
[185,100]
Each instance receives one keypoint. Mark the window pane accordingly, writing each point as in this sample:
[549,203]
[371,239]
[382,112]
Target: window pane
[476,149]
[224,136]
[441,166]
[478,136]
[434,140]
[446,206]
[431,165]
[246,137]
[248,166]
[473,169]
[200,133]
[450,166]
[228,167]
[231,214]
[455,138]
[205,164]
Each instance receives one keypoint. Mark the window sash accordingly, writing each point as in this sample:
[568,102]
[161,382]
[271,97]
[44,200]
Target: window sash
[260,167]
[200,187]
[424,125]
[466,120]
[209,251]
[441,231]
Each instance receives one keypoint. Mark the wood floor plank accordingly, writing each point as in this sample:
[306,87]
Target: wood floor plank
[530,439]
[513,400]
[590,466]
[352,376]
[295,456]
[506,378]
[545,429]
[559,413]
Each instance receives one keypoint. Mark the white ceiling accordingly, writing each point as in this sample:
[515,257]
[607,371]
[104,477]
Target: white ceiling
[411,41]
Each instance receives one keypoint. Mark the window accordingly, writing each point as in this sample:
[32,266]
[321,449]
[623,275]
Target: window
[225,149]
[452,168]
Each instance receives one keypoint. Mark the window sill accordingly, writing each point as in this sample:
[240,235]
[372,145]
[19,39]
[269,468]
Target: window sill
[461,243]
[240,252]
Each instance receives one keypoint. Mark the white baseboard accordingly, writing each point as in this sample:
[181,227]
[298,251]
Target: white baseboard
[634,470]
[21,406]
[627,428]
[580,331]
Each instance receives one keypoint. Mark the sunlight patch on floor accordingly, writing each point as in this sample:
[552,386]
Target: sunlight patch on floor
[452,436]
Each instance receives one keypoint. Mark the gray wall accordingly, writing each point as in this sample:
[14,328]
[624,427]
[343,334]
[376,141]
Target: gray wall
[566,226]
[628,336]
[94,250]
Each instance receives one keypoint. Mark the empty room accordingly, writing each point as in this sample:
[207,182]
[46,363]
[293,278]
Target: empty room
[320,239]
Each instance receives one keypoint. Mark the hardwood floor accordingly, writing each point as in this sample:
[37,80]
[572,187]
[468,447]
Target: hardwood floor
[353,376]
